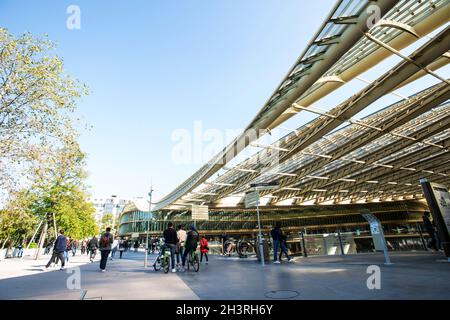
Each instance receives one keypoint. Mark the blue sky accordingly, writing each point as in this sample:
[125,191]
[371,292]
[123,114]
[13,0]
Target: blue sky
[157,66]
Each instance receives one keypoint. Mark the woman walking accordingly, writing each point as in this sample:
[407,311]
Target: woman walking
[204,249]
[122,245]
[83,246]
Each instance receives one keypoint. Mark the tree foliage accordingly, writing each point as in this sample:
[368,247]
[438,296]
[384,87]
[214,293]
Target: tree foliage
[36,102]
[107,221]
[41,164]
[17,220]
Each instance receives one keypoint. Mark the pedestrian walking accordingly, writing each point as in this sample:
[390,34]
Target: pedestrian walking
[58,250]
[114,247]
[122,247]
[74,246]
[93,246]
[136,246]
[105,243]
[277,237]
[83,246]
[284,242]
[204,249]
[68,247]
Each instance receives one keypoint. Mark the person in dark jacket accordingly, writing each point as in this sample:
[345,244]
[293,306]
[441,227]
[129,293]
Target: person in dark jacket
[58,250]
[83,246]
[21,245]
[122,244]
[93,246]
[277,237]
[136,246]
[106,241]
[431,230]
[170,242]
[190,244]
[283,242]
[48,248]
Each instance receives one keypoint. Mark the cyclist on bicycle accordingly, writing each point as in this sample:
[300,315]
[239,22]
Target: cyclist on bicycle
[170,242]
[190,244]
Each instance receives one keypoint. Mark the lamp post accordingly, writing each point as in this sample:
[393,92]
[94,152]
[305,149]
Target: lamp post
[253,199]
[148,223]
[260,241]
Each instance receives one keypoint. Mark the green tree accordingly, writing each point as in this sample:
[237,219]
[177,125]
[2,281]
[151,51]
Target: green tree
[107,221]
[41,165]
[75,215]
[37,100]
[17,220]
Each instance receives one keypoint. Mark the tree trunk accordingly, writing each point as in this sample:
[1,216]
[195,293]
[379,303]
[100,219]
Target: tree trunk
[54,225]
[34,235]
[41,241]
[4,242]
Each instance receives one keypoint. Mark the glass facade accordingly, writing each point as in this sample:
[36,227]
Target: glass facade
[401,222]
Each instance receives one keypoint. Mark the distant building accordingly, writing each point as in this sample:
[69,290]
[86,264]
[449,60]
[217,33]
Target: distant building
[112,205]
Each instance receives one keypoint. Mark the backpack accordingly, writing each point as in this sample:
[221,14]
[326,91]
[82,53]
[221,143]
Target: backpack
[104,241]
[194,238]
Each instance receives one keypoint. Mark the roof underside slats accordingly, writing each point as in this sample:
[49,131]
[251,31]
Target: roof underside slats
[324,161]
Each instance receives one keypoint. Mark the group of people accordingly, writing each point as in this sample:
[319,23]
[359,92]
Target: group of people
[182,243]
[106,244]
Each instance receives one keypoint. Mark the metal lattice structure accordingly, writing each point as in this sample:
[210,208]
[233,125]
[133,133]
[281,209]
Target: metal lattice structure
[376,158]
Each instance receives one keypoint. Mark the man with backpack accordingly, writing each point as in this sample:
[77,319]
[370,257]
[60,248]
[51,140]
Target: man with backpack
[190,244]
[106,241]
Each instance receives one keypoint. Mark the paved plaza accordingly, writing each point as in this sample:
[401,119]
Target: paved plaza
[411,276]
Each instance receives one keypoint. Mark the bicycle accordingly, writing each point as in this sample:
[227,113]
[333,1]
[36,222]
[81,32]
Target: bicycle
[193,260]
[163,260]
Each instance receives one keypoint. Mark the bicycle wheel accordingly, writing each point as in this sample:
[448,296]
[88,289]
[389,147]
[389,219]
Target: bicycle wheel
[196,263]
[166,265]
[157,264]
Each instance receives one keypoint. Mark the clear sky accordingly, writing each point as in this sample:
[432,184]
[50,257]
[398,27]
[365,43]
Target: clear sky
[155,67]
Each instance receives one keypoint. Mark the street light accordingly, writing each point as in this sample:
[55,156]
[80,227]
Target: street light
[255,201]
[148,223]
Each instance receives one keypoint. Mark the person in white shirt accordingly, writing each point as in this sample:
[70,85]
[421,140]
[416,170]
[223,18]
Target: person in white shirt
[114,247]
[181,235]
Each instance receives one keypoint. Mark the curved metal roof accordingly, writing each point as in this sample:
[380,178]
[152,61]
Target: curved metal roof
[342,49]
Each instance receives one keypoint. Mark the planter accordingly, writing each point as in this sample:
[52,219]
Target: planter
[29,252]
[2,254]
